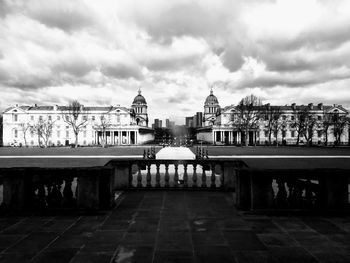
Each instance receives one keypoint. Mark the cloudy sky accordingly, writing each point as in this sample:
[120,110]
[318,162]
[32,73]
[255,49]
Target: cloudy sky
[101,52]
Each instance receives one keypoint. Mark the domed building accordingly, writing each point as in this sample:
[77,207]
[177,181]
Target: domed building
[139,105]
[101,125]
[211,109]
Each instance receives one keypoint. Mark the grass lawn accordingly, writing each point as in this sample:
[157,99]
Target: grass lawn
[103,155]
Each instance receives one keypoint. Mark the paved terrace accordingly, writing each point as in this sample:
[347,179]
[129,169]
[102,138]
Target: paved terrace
[174,226]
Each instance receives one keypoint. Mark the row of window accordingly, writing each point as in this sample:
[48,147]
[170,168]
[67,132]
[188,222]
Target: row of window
[58,117]
[292,134]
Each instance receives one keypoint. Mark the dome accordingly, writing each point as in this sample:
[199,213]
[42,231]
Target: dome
[211,99]
[139,99]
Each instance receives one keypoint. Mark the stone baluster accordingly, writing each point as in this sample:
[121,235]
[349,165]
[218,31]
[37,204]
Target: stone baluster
[139,176]
[194,179]
[148,177]
[185,176]
[67,191]
[281,196]
[176,175]
[222,179]
[213,185]
[166,176]
[41,197]
[157,175]
[204,177]
[308,193]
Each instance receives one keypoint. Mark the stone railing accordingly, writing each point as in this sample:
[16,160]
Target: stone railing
[181,174]
[292,189]
[55,188]
[94,188]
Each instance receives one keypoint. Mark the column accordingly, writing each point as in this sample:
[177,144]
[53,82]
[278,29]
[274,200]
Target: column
[213,135]
[128,137]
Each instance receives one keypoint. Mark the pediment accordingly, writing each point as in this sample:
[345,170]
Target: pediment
[338,109]
[120,110]
[15,110]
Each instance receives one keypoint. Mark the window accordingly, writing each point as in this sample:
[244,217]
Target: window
[58,134]
[16,133]
[93,118]
[50,118]
[292,118]
[283,133]
[15,117]
[118,118]
[67,134]
[40,118]
[319,117]
[292,134]
[284,117]
[58,118]
[84,134]
[266,134]
[319,133]
[32,118]
[84,118]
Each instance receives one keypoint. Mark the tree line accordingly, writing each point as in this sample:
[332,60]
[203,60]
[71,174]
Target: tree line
[304,120]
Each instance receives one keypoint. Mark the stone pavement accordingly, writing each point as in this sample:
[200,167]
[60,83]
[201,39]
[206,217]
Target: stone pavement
[174,226]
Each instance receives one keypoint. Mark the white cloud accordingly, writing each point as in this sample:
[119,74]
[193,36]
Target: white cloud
[101,51]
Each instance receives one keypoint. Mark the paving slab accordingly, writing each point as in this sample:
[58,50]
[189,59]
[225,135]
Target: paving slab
[175,226]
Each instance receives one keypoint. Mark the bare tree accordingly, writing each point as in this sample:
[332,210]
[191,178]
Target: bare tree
[103,124]
[25,127]
[248,115]
[339,122]
[43,129]
[326,124]
[75,116]
[272,115]
[305,122]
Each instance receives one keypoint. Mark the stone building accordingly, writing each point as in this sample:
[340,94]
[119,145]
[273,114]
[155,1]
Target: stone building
[220,124]
[113,125]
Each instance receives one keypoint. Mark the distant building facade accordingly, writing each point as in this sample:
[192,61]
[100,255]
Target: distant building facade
[219,125]
[114,125]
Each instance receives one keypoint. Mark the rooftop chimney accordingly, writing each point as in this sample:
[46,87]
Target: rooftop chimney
[320,106]
[293,106]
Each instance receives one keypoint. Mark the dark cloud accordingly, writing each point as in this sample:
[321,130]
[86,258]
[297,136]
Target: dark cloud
[269,81]
[123,71]
[232,58]
[187,19]
[70,17]
[29,82]
[173,63]
[77,68]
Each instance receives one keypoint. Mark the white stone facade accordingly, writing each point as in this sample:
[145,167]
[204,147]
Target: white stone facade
[114,125]
[219,125]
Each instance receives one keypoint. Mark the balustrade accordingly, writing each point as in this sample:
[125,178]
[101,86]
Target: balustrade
[42,188]
[150,173]
[292,189]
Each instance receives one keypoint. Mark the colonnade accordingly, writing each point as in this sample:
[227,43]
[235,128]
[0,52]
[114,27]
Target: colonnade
[117,137]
